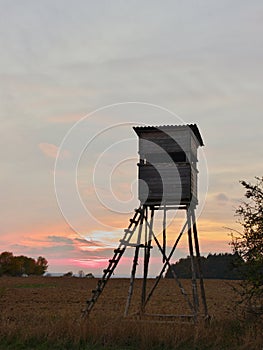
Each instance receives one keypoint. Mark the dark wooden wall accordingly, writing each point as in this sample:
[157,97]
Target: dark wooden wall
[168,167]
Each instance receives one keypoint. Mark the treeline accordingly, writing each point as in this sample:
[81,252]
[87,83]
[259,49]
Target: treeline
[218,266]
[11,265]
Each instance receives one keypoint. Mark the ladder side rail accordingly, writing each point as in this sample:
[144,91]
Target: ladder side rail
[100,287]
[134,267]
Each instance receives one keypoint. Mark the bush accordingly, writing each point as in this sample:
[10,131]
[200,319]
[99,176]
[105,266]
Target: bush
[248,244]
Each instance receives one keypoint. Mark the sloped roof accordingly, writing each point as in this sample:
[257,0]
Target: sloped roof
[141,129]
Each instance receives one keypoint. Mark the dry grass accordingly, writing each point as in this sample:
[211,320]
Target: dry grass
[39,310]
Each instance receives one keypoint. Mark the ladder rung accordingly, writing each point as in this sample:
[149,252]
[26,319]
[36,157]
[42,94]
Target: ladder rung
[127,230]
[106,270]
[133,221]
[112,261]
[138,210]
[122,241]
[118,250]
[96,290]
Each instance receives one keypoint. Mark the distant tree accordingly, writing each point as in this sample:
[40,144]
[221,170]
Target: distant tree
[41,266]
[220,266]
[68,274]
[248,244]
[30,266]
[19,265]
[5,263]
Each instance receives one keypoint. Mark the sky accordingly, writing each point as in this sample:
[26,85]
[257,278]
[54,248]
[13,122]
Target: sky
[75,78]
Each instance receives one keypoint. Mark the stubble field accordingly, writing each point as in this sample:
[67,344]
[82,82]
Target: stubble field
[45,313]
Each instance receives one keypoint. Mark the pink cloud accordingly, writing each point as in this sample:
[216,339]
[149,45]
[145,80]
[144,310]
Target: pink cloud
[51,151]
[94,262]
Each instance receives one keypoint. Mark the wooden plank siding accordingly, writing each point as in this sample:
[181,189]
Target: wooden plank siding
[161,144]
[168,164]
[173,183]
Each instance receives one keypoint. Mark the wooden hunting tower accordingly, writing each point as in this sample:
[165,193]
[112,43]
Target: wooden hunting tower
[167,182]
[168,164]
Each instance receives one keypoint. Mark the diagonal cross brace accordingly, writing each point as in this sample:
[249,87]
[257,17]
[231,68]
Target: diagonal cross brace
[167,263]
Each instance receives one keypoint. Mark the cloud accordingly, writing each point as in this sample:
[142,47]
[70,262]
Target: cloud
[59,239]
[47,251]
[94,258]
[78,244]
[89,242]
[56,246]
[95,262]
[51,151]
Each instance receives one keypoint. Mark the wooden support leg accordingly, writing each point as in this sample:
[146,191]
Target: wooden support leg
[146,261]
[193,269]
[164,232]
[199,267]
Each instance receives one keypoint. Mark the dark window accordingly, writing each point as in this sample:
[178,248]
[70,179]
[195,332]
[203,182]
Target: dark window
[178,157]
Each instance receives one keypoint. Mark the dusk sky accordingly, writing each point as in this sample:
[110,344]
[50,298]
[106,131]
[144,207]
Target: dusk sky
[111,65]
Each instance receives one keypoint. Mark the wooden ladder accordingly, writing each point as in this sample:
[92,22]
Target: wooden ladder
[113,262]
